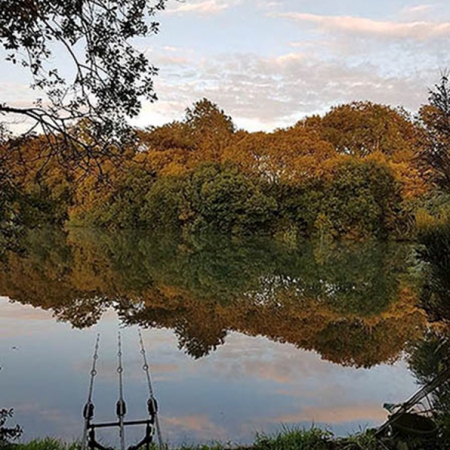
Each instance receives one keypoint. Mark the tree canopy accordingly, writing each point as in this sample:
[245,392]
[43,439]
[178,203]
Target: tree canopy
[201,173]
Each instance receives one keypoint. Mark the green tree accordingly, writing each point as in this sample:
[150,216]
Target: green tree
[360,198]
[434,236]
[163,204]
[222,198]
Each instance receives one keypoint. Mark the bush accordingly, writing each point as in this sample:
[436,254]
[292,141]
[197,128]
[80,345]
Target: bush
[360,197]
[223,199]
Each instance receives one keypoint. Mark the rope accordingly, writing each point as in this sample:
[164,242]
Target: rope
[153,408]
[120,406]
[88,410]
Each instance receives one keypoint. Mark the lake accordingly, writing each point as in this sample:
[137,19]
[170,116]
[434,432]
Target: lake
[243,335]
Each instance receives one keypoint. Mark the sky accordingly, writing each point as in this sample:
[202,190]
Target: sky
[269,63]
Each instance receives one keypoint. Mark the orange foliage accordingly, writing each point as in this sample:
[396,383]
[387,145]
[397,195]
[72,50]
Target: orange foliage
[289,155]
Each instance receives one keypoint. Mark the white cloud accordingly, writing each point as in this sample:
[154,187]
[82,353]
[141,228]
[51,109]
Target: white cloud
[205,7]
[416,30]
[269,92]
[418,9]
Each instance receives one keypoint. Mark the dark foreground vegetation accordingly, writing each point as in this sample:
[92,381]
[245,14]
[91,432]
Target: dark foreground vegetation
[287,439]
[362,170]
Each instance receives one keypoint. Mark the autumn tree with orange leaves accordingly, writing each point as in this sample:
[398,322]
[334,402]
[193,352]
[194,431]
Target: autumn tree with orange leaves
[353,172]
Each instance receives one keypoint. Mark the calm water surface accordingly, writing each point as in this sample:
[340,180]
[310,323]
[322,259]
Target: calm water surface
[242,336]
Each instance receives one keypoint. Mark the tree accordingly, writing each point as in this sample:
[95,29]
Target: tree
[209,128]
[362,128]
[110,76]
[290,155]
[223,199]
[360,197]
[435,118]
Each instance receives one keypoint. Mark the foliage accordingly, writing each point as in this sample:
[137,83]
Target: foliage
[360,198]
[110,75]
[287,438]
[225,200]
[115,201]
[363,128]
[209,127]
[361,441]
[290,156]
[201,174]
[430,356]
[339,300]
[294,439]
[435,118]
[9,223]
[47,444]
[163,203]
[6,433]
[434,237]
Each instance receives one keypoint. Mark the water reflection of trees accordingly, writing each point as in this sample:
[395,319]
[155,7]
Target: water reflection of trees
[435,253]
[352,303]
[427,358]
[430,355]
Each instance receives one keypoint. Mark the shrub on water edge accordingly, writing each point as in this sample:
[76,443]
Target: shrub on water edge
[163,204]
[434,234]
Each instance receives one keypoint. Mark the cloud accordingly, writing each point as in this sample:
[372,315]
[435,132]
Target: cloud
[335,415]
[416,30]
[198,425]
[268,92]
[17,319]
[65,423]
[207,7]
[417,9]
[276,365]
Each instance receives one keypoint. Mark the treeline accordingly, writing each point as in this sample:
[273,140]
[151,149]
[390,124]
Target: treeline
[360,170]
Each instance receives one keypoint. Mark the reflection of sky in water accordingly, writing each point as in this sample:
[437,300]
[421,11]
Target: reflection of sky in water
[248,385]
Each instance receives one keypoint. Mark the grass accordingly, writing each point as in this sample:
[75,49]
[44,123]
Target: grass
[286,439]
[294,439]
[43,444]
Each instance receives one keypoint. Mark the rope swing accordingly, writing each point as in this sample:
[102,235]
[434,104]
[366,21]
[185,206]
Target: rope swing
[89,440]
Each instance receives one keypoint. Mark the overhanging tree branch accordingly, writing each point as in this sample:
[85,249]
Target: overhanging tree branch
[110,77]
